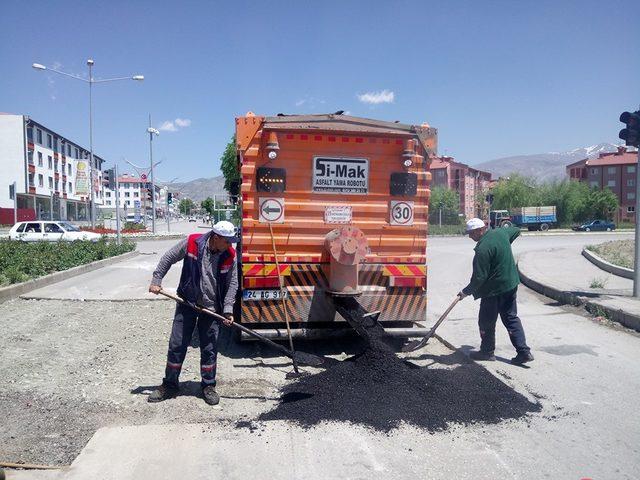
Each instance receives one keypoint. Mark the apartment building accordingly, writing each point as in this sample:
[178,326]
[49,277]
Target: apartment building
[469,182]
[50,170]
[132,189]
[616,171]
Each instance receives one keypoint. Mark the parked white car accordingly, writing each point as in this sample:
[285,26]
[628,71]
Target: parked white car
[50,232]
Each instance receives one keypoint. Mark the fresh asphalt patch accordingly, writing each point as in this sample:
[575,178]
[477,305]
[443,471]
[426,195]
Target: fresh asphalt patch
[379,390]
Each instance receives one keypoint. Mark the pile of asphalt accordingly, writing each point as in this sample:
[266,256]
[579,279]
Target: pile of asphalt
[378,390]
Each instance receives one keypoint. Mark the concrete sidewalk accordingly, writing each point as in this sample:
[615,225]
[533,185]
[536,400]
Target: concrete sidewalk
[566,276]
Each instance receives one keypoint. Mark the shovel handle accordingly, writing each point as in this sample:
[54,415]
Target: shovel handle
[442,317]
[197,307]
[246,330]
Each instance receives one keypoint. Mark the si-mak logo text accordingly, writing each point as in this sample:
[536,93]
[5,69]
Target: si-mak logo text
[341,175]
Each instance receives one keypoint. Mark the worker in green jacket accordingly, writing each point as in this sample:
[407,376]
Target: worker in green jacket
[495,282]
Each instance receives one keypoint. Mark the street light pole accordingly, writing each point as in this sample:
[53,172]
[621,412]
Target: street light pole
[152,131]
[90,81]
[91,161]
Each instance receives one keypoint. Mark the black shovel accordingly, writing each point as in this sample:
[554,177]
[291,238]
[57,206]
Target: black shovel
[416,344]
[300,357]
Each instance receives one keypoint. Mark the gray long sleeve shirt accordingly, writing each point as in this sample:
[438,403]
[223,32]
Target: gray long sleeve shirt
[208,282]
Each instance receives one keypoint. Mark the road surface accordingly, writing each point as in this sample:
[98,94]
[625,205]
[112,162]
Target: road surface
[585,377]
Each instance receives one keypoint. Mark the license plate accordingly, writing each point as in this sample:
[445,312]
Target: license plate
[253,295]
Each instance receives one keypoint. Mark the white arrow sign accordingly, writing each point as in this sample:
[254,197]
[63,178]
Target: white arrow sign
[271,210]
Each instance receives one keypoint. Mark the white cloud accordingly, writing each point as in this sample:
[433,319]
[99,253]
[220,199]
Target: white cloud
[310,102]
[174,125]
[167,126]
[183,122]
[375,98]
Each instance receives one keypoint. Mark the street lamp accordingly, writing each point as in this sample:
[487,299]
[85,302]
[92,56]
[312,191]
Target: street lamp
[152,131]
[90,81]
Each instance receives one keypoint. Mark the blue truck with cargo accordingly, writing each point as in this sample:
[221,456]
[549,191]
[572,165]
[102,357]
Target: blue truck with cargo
[532,218]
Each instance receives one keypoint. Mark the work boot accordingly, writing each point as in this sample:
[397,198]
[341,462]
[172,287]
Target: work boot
[164,392]
[480,355]
[210,395]
[522,358]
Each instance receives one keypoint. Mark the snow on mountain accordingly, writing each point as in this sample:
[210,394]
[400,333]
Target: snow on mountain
[543,166]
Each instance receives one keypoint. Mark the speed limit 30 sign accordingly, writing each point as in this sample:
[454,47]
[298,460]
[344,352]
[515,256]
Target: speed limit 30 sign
[401,213]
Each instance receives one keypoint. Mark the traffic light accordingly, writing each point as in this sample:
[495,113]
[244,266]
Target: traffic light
[110,176]
[170,198]
[631,134]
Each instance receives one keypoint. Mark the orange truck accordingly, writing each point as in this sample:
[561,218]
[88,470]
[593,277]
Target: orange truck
[333,207]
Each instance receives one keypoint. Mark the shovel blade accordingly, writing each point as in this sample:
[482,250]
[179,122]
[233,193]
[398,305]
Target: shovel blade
[308,359]
[415,345]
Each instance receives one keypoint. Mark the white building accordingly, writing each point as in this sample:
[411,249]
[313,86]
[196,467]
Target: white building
[44,165]
[133,189]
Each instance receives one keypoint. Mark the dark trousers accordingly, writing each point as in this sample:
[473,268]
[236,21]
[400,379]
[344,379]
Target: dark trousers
[504,304]
[184,322]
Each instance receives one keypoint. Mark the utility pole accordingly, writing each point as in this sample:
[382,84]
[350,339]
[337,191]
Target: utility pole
[51,206]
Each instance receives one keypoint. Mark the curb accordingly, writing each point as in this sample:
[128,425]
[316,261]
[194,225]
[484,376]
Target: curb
[14,291]
[609,267]
[627,319]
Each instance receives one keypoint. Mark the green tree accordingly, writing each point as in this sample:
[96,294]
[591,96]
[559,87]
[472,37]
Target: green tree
[444,198]
[186,205]
[444,206]
[602,203]
[229,165]
[569,197]
[513,192]
[208,205]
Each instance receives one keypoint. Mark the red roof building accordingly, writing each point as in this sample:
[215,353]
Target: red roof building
[466,180]
[616,171]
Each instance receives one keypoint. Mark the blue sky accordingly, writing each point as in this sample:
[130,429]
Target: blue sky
[496,78]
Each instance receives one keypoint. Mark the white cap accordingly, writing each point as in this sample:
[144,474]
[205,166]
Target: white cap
[225,229]
[474,224]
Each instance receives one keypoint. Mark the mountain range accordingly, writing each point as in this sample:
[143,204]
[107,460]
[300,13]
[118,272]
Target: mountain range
[200,188]
[542,166]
